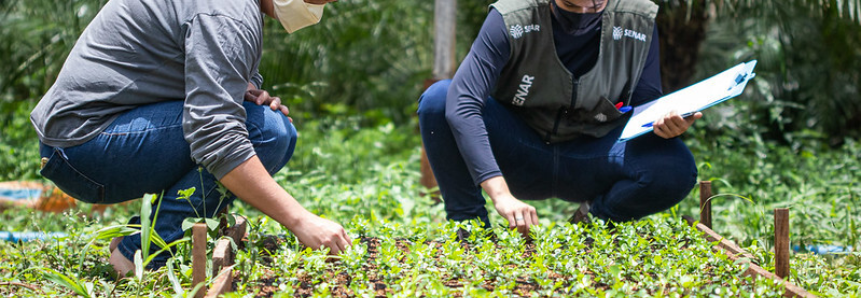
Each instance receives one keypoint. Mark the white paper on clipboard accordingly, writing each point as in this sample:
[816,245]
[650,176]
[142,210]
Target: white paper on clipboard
[697,97]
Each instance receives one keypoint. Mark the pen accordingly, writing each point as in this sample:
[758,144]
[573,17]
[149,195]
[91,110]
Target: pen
[622,109]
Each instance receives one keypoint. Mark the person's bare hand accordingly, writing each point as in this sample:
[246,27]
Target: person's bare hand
[261,97]
[317,233]
[519,214]
[673,125]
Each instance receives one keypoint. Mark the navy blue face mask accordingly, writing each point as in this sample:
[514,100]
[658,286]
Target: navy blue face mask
[576,23]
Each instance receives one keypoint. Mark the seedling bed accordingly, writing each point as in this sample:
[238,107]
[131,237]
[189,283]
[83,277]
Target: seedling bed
[341,280]
[645,258]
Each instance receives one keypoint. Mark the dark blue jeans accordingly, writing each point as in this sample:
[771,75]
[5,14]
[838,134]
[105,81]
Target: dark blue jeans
[624,181]
[143,151]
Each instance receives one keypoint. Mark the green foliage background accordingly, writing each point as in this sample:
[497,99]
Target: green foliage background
[371,59]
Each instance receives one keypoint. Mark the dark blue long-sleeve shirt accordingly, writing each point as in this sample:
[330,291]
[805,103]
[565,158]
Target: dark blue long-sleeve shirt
[477,75]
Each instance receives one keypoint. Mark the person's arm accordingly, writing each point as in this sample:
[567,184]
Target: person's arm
[470,87]
[217,78]
[649,88]
[518,214]
[250,182]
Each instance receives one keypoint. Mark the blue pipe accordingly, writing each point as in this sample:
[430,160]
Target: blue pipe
[823,249]
[30,236]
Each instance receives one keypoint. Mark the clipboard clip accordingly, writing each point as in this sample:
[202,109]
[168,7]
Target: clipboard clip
[742,77]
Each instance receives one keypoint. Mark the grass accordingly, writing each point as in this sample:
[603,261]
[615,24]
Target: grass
[367,179]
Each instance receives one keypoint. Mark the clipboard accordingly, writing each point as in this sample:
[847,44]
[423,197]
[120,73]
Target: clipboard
[697,97]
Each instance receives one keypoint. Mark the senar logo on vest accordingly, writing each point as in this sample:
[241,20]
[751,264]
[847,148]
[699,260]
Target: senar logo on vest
[517,31]
[522,91]
[618,33]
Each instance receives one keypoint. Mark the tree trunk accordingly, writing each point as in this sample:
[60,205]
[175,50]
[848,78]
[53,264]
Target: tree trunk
[682,29]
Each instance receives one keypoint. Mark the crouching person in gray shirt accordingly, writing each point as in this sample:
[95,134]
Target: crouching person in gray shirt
[161,96]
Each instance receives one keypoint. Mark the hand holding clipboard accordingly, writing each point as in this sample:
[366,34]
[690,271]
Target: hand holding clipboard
[690,100]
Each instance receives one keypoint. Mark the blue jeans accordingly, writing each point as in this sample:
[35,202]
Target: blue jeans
[624,181]
[143,151]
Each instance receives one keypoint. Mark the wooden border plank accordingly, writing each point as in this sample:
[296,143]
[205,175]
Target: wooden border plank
[725,244]
[223,283]
[222,256]
[237,231]
[735,253]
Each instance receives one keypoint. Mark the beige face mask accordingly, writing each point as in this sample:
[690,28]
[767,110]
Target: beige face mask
[296,14]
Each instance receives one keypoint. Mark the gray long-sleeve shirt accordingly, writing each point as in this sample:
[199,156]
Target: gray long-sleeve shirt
[136,52]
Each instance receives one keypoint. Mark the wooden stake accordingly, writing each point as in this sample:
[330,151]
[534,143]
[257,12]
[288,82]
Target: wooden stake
[705,203]
[781,242]
[198,257]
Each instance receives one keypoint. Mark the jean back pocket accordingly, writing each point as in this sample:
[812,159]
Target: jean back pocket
[70,180]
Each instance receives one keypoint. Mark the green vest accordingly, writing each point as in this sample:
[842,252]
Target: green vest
[536,85]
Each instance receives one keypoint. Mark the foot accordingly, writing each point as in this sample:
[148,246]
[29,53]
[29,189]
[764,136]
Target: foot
[462,235]
[582,213]
[121,264]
